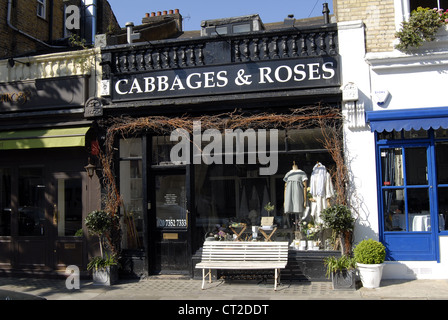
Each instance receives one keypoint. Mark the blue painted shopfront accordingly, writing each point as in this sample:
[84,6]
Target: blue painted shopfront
[412,175]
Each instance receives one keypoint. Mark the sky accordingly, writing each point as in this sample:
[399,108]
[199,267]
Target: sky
[194,11]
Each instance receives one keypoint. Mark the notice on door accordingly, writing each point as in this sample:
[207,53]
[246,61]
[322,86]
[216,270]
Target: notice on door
[171,199]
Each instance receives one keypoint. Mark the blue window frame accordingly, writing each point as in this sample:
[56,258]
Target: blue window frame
[412,170]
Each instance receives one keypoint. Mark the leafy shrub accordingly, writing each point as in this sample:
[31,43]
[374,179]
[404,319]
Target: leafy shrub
[99,222]
[339,264]
[102,263]
[369,252]
[338,218]
[422,26]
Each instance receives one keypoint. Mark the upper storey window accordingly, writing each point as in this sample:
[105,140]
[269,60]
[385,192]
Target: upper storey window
[439,4]
[231,25]
[41,8]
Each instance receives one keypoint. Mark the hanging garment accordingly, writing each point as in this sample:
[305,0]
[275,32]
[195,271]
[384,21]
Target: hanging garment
[294,199]
[321,189]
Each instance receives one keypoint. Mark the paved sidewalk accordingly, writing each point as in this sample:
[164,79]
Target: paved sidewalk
[172,288]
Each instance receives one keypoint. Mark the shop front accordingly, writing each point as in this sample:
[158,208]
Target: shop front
[45,192]
[411,162]
[205,131]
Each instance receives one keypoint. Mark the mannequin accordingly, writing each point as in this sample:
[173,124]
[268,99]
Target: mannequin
[321,189]
[295,191]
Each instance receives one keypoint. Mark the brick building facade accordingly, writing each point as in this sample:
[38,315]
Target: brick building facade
[378,17]
[38,26]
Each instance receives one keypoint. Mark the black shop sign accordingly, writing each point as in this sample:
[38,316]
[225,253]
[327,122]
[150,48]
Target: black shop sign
[226,79]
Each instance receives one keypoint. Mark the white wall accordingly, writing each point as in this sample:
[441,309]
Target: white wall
[359,141]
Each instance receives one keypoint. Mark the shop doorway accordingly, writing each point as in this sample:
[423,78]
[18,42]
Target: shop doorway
[410,222]
[169,214]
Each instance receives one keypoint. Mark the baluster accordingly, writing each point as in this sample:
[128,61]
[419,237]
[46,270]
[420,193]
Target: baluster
[294,46]
[323,46]
[149,61]
[303,44]
[183,57]
[125,67]
[265,49]
[142,65]
[237,50]
[134,61]
[158,59]
[192,56]
[256,50]
[175,57]
[117,64]
[246,50]
[285,47]
[166,55]
[201,54]
[313,44]
[332,43]
[275,47]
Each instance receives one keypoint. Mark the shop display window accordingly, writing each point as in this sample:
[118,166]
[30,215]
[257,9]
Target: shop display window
[5,202]
[69,208]
[31,202]
[231,200]
[131,189]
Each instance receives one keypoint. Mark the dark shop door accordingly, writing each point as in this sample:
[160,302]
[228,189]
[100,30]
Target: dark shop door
[169,208]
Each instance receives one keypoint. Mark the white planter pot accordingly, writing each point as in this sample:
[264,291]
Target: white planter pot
[370,274]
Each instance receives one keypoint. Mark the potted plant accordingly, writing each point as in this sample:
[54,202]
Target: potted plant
[104,268]
[339,218]
[369,255]
[341,271]
[422,26]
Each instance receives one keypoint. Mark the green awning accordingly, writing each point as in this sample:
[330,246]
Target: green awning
[43,138]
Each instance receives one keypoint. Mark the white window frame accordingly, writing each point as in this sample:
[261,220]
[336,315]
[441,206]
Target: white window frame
[402,12]
[42,9]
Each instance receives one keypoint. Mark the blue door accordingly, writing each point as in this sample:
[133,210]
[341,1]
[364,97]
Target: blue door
[408,209]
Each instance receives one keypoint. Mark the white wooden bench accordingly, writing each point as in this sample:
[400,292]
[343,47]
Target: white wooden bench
[240,255]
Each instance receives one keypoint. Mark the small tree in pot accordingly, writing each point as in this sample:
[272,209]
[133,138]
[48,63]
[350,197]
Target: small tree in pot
[100,223]
[339,218]
[370,255]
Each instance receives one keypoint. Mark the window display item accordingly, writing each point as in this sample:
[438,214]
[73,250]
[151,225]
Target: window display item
[321,189]
[295,190]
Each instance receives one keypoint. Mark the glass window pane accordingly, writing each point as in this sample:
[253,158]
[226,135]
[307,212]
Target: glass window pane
[415,134]
[31,202]
[443,208]
[221,30]
[394,135]
[161,148]
[442,162]
[441,133]
[305,139]
[392,167]
[130,148]
[418,209]
[131,190]
[5,202]
[69,209]
[416,166]
[240,28]
[171,201]
[394,210]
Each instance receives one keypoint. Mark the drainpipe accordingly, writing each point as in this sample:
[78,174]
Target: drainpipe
[90,14]
[8,20]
